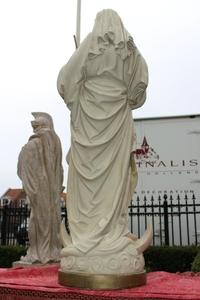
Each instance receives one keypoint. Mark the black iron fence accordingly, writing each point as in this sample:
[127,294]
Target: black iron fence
[14,222]
[175,220]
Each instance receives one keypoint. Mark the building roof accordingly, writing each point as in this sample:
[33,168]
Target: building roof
[14,194]
[18,194]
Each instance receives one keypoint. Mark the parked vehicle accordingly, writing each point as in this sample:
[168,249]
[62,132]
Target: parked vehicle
[21,232]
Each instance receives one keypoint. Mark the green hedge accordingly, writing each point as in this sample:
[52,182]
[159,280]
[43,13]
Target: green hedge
[170,259]
[9,254]
[196,263]
[157,258]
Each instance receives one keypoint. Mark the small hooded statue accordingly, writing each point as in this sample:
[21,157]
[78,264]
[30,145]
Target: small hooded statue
[41,172]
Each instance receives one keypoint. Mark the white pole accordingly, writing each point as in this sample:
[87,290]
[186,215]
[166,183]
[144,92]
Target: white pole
[78,22]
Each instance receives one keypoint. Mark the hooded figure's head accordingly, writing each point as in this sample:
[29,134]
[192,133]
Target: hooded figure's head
[42,120]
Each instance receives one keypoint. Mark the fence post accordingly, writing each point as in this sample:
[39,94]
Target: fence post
[138,215]
[3,225]
[195,219]
[166,222]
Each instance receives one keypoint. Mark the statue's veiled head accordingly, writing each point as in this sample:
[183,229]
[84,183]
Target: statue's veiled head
[109,29]
[108,18]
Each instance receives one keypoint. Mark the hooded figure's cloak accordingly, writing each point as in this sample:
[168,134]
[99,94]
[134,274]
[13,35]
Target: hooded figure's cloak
[40,169]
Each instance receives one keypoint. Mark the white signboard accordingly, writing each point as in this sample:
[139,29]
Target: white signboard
[167,156]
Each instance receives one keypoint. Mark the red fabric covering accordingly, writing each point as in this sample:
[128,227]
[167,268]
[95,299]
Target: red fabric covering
[41,283]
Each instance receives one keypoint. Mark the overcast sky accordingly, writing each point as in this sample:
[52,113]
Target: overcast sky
[37,40]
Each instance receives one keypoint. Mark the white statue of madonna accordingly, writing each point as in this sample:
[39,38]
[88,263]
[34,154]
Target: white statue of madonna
[103,81]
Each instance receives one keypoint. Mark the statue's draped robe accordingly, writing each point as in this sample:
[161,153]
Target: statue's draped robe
[100,91]
[40,169]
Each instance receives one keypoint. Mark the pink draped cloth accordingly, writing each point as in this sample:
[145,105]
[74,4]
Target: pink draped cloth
[42,283]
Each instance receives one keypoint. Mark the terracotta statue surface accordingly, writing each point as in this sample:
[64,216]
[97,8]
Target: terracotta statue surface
[41,172]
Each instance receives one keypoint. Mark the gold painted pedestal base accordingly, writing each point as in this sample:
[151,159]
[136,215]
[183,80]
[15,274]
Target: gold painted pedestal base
[101,281]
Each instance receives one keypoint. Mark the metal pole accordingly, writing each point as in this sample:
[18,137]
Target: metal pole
[78,22]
